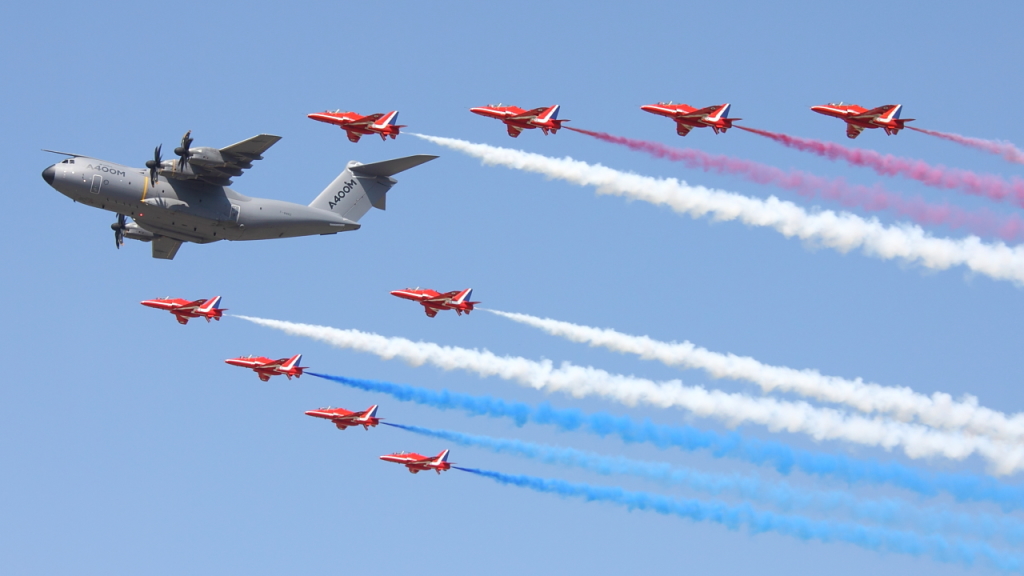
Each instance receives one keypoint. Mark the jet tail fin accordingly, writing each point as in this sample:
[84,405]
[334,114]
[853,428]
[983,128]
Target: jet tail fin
[463,296]
[389,119]
[442,457]
[292,362]
[722,112]
[211,304]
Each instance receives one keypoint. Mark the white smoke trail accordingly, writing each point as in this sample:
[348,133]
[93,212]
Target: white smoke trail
[841,231]
[939,410]
[915,440]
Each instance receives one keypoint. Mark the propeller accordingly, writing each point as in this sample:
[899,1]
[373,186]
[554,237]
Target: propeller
[118,228]
[183,151]
[154,165]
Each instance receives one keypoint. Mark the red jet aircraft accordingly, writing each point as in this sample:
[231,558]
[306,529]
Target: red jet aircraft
[355,125]
[418,462]
[433,301]
[343,418]
[265,367]
[687,117]
[857,119]
[517,119]
[185,309]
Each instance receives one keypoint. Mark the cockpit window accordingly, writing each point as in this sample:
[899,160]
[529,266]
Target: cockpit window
[68,161]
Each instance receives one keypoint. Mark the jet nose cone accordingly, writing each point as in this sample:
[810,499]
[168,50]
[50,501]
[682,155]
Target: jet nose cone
[48,175]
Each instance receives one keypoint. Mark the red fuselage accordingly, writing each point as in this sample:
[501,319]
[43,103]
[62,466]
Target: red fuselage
[185,309]
[344,418]
[418,463]
[517,119]
[433,301]
[356,125]
[858,118]
[265,367]
[687,117]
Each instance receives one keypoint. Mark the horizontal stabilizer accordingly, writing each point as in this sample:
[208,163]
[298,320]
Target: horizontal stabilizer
[391,167]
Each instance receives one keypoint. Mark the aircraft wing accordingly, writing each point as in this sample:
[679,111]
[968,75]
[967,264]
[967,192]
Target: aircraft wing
[165,248]
[238,157]
[529,114]
[366,120]
[873,113]
[700,113]
[852,131]
[442,297]
[683,129]
[514,131]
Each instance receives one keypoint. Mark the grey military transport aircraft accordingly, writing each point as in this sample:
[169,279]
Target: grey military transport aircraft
[188,199]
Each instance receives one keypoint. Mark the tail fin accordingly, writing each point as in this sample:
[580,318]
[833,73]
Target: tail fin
[211,304]
[442,457]
[292,362]
[463,296]
[389,119]
[550,113]
[371,412]
[722,112]
[362,186]
[893,114]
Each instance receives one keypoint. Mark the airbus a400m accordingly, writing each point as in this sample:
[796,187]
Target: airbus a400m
[188,199]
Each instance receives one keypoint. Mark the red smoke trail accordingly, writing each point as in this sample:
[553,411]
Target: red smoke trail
[850,195]
[987,185]
[1001,147]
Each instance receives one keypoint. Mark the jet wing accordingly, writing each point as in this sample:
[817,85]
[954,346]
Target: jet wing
[237,157]
[514,131]
[852,131]
[529,114]
[700,113]
[165,248]
[683,129]
[366,120]
[873,113]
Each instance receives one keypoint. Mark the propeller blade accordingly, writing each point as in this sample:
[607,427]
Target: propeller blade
[183,151]
[154,164]
[118,228]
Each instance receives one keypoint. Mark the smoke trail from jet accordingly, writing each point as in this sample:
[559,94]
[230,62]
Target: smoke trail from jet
[939,410]
[784,459]
[987,185]
[891,512]
[840,231]
[1001,147]
[872,199]
[756,521]
[915,440]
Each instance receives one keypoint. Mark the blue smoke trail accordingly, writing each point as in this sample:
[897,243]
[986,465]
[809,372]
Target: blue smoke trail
[733,517]
[779,494]
[964,487]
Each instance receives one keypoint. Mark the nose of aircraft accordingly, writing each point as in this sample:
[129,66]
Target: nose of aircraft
[48,175]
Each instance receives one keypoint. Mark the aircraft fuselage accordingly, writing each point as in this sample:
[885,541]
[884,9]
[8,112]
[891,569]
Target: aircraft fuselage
[186,210]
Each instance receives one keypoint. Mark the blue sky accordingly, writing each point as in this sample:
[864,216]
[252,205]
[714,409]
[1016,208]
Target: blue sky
[129,445]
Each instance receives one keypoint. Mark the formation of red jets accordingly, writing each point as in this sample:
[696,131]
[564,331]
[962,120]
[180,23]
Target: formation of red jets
[685,116]
[265,368]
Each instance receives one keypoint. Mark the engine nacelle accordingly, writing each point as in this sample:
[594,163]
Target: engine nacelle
[136,232]
[206,156]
